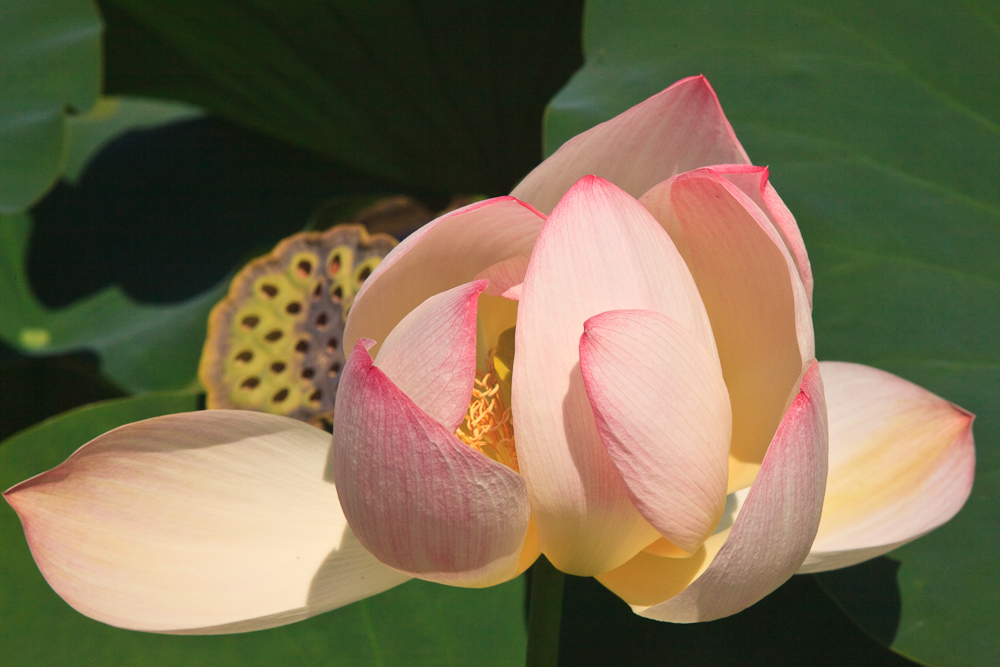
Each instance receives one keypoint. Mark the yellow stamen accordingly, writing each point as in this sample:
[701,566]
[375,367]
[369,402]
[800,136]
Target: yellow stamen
[487,426]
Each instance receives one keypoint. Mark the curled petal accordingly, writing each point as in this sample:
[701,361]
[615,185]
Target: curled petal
[679,129]
[600,250]
[199,523]
[766,544]
[418,498]
[755,299]
[449,251]
[663,414]
[506,277]
[753,182]
[902,462]
[431,354]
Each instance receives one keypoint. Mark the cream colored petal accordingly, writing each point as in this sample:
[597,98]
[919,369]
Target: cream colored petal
[449,251]
[753,182]
[902,462]
[755,299]
[199,523]
[767,542]
[599,251]
[679,129]
[663,413]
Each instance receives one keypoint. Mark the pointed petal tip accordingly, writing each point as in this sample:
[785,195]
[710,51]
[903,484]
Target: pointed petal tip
[902,463]
[150,526]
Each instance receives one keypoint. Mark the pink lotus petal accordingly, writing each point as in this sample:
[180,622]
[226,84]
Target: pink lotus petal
[506,277]
[200,523]
[431,354]
[901,464]
[449,251]
[757,303]
[767,543]
[663,413]
[679,129]
[600,250]
[418,498]
[753,182]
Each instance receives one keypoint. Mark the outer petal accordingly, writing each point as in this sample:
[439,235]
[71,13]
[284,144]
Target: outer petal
[901,464]
[756,301]
[679,129]
[663,413]
[201,523]
[770,537]
[417,497]
[446,252]
[598,251]
[431,354]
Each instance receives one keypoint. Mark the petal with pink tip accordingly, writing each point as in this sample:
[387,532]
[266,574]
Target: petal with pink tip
[200,523]
[449,251]
[757,304]
[768,541]
[506,277]
[600,250]
[431,354]
[902,462]
[753,182]
[679,129]
[663,413]
[418,498]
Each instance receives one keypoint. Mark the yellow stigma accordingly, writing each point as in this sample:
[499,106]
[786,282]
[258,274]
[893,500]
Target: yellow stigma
[487,426]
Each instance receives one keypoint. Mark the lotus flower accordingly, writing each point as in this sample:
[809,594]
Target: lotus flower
[613,367]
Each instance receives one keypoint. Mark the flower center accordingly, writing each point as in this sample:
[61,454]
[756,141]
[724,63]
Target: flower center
[487,426]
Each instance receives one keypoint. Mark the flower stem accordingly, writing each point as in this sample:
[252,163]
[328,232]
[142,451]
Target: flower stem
[544,614]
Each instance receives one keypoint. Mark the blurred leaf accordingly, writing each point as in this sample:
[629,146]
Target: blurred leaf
[415,624]
[50,64]
[881,125]
[440,95]
[142,347]
[111,117]
[34,389]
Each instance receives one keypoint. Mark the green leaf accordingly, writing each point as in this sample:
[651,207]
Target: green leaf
[50,65]
[142,347]
[418,623]
[109,118]
[881,125]
[444,95]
